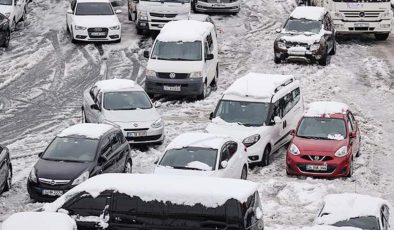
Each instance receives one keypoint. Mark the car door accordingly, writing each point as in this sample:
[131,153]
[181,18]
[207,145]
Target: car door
[351,128]
[107,162]
[3,168]
[224,157]
[275,128]
[235,162]
[357,139]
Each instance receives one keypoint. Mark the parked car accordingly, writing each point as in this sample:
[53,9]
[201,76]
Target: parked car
[217,6]
[39,220]
[77,153]
[260,110]
[355,210]
[204,154]
[308,35]
[183,63]
[14,10]
[124,103]
[138,201]
[325,142]
[93,20]
[5,170]
[5,31]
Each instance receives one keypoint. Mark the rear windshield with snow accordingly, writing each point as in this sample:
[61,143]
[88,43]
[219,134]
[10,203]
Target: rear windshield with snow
[190,158]
[177,51]
[94,8]
[322,128]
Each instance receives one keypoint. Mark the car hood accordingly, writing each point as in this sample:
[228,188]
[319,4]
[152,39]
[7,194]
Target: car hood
[318,146]
[167,8]
[138,115]
[239,132]
[5,9]
[300,38]
[61,170]
[175,66]
[97,21]
[171,171]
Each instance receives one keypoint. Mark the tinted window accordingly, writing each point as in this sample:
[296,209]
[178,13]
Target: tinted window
[94,8]
[115,141]
[126,101]
[6,2]
[186,51]
[232,148]
[303,25]
[71,149]
[105,146]
[365,222]
[192,158]
[322,128]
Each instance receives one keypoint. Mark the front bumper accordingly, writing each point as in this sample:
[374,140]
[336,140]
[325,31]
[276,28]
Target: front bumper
[35,191]
[188,87]
[307,55]
[152,135]
[84,35]
[218,7]
[346,27]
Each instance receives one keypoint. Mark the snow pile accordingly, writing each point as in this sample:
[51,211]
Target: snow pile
[325,108]
[337,137]
[339,207]
[210,192]
[88,130]
[203,140]
[116,85]
[39,221]
[308,12]
[199,165]
[184,30]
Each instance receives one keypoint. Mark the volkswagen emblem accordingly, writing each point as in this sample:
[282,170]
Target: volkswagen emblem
[135,125]
[316,158]
[362,14]
[172,75]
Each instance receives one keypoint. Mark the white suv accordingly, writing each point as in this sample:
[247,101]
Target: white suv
[14,10]
[123,103]
[260,110]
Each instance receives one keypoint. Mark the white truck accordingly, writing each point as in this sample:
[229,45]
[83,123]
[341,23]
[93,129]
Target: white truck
[359,16]
[152,15]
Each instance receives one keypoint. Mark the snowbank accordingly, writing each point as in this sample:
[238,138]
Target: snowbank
[88,130]
[116,85]
[184,30]
[39,221]
[308,12]
[203,140]
[325,108]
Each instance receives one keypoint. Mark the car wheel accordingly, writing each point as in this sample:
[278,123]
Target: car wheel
[324,58]
[84,120]
[13,25]
[130,17]
[214,83]
[382,37]
[7,38]
[204,92]
[244,174]
[140,31]
[334,49]
[266,156]
[128,167]
[350,169]
[24,16]
[72,36]
[9,180]
[277,60]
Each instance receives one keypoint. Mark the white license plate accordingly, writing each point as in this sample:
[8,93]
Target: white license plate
[98,33]
[296,52]
[218,5]
[136,134]
[361,24]
[316,167]
[172,88]
[52,192]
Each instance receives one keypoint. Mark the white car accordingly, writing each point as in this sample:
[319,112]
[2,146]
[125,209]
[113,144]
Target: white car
[354,210]
[260,110]
[39,220]
[204,154]
[14,10]
[124,103]
[93,20]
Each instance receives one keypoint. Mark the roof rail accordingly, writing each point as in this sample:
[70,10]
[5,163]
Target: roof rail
[286,83]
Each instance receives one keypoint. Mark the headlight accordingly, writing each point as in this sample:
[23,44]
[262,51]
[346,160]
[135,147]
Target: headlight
[143,16]
[157,124]
[115,27]
[80,28]
[341,152]
[33,176]
[7,14]
[196,75]
[83,177]
[249,141]
[150,73]
[315,46]
[282,45]
[294,150]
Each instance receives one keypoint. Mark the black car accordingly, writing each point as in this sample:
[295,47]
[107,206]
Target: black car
[5,31]
[5,170]
[76,154]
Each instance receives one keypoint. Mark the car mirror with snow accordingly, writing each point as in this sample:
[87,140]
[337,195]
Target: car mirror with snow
[278,30]
[224,164]
[209,57]
[352,134]
[146,53]
[118,11]
[211,116]
[277,120]
[70,11]
[292,132]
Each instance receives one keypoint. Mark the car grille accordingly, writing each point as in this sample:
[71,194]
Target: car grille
[296,44]
[53,182]
[146,138]
[330,169]
[162,15]
[316,158]
[361,14]
[91,32]
[173,75]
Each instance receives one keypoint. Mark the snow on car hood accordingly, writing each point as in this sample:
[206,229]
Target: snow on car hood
[175,66]
[317,146]
[237,131]
[138,115]
[97,21]
[164,170]
[301,38]
[5,9]
[167,8]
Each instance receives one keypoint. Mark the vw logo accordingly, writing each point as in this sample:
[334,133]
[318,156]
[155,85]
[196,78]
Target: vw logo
[316,158]
[362,14]
[135,125]
[172,75]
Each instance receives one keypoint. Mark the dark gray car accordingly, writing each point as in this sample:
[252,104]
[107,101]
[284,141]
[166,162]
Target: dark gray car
[5,170]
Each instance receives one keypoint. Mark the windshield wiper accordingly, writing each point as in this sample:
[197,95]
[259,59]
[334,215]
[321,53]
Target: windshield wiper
[127,108]
[187,168]
[312,137]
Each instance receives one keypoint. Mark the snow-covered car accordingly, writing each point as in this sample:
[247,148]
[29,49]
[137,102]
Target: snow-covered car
[308,35]
[355,210]
[325,142]
[14,10]
[148,201]
[5,31]
[75,154]
[124,103]
[184,60]
[204,154]
[93,20]
[196,17]
[260,110]
[39,221]
[217,6]
[5,169]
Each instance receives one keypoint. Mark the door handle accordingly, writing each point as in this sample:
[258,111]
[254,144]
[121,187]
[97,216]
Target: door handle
[284,124]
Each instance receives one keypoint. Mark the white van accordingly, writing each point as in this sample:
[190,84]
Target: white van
[260,110]
[184,60]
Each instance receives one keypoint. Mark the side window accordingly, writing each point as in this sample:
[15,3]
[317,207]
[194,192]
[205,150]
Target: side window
[288,103]
[86,205]
[105,146]
[225,154]
[93,93]
[384,218]
[1,149]
[210,43]
[206,49]
[99,99]
[296,96]
[352,120]
[232,148]
[325,23]
[350,123]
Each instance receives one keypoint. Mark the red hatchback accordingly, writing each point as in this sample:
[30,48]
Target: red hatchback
[325,142]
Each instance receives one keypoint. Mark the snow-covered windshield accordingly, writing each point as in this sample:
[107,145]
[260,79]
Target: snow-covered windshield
[243,112]
[183,51]
[364,222]
[303,25]
[322,128]
[126,101]
[71,149]
[190,158]
[6,2]
[94,8]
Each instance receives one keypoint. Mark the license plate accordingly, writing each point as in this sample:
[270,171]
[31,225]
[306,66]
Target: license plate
[98,33]
[52,192]
[296,52]
[136,134]
[172,88]
[218,5]
[361,24]
[316,167]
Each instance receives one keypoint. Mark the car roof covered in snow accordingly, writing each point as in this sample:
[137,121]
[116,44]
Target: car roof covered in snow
[114,85]
[184,30]
[196,17]
[87,130]
[325,109]
[39,221]
[182,190]
[308,12]
[339,207]
[203,140]
[257,86]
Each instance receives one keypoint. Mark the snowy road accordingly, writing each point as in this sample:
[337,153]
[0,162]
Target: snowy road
[43,76]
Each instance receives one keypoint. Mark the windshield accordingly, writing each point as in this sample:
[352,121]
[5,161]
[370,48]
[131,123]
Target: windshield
[364,222]
[6,2]
[180,1]
[303,25]
[243,112]
[184,51]
[94,8]
[192,158]
[126,101]
[322,128]
[71,149]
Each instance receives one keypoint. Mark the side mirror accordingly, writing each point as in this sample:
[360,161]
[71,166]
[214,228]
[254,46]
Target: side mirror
[224,164]
[146,53]
[40,154]
[70,11]
[211,116]
[278,30]
[292,132]
[156,160]
[95,107]
[326,32]
[157,104]
[353,134]
[118,11]
[209,57]
[277,120]
[102,159]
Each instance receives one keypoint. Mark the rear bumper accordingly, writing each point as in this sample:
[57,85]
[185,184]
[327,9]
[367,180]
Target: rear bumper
[345,27]
[188,87]
[218,7]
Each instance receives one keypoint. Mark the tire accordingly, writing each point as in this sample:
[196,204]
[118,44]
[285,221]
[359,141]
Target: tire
[203,95]
[350,169]
[214,83]
[72,36]
[7,38]
[334,49]
[8,184]
[130,17]
[265,161]
[140,31]
[324,58]
[83,117]
[277,60]
[381,37]
[128,168]
[244,173]
[23,16]
[13,25]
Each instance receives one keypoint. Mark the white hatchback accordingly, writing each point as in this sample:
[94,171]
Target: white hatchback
[123,103]
[14,10]
[204,154]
